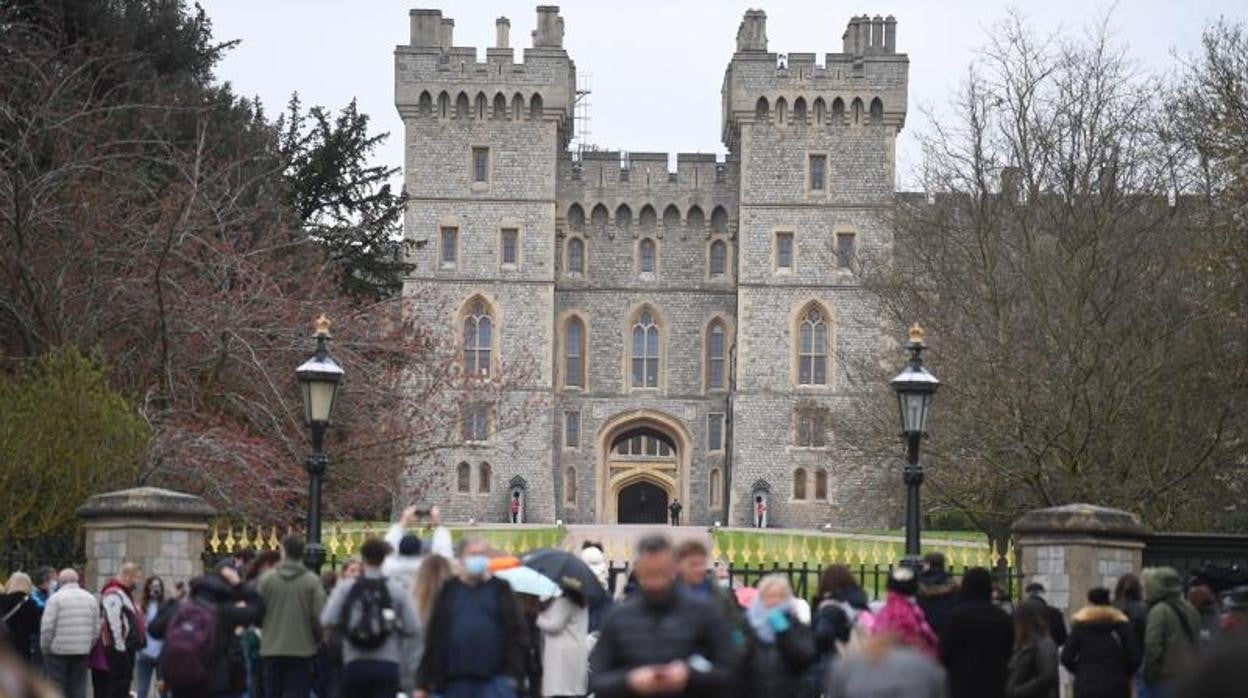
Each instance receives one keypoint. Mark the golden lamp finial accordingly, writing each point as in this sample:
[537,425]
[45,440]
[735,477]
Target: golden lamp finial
[916,334]
[322,325]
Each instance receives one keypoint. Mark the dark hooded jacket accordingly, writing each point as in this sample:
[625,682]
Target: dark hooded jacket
[1170,642]
[236,608]
[975,648]
[778,669]
[1101,652]
[938,594]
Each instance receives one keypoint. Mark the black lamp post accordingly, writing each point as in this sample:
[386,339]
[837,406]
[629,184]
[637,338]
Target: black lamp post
[319,377]
[915,390]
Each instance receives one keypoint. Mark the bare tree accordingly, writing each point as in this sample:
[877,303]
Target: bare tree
[1061,270]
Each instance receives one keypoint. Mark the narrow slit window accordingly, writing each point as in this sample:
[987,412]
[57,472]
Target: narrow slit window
[818,167]
[784,250]
[450,246]
[715,431]
[511,244]
[844,250]
[480,164]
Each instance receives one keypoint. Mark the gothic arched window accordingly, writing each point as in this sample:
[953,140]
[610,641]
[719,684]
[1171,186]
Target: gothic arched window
[719,258]
[645,358]
[463,478]
[478,340]
[715,352]
[812,347]
[576,256]
[484,475]
[646,256]
[569,485]
[574,353]
[799,484]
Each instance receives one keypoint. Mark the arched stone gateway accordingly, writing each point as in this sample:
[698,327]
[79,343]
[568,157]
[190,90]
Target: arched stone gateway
[643,464]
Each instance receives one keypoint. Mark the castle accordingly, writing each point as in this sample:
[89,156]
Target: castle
[695,332]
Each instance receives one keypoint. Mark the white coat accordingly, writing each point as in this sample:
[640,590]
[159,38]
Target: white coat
[565,650]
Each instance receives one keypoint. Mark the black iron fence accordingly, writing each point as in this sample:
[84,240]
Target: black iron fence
[1220,560]
[30,554]
[804,578]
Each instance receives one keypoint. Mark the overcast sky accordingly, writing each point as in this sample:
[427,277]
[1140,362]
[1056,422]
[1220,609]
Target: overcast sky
[655,67]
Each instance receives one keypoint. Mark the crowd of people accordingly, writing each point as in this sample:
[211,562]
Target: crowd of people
[415,617]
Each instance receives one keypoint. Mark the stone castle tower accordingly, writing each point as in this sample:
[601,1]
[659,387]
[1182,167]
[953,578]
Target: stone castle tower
[696,333]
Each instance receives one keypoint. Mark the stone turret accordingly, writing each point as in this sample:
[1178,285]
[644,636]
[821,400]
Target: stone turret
[752,34]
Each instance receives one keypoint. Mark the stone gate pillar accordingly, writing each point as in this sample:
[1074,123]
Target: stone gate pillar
[161,530]
[1073,548]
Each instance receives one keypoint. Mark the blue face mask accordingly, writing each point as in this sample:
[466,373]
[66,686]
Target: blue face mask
[476,565]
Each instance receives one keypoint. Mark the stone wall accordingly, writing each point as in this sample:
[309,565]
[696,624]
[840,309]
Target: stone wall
[161,530]
[1073,548]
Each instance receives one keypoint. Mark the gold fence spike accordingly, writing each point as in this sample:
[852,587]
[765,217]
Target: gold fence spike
[965,558]
[828,552]
[891,552]
[214,543]
[229,539]
[273,541]
[950,556]
[1009,556]
[257,543]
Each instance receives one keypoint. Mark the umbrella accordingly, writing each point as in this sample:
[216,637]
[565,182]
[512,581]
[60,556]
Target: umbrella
[569,572]
[505,562]
[525,580]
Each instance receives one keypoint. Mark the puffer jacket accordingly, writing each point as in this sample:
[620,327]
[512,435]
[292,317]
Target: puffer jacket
[778,669]
[71,622]
[1170,640]
[1101,652]
[641,631]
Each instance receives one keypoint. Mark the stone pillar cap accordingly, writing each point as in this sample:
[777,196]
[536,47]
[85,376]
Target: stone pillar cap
[1084,519]
[146,502]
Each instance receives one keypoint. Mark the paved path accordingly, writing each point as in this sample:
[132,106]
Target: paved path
[618,540]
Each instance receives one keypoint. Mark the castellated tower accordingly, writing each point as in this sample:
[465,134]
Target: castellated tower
[482,140]
[696,333]
[816,150]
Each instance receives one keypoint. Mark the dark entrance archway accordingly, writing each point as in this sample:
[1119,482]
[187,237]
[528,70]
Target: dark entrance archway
[642,503]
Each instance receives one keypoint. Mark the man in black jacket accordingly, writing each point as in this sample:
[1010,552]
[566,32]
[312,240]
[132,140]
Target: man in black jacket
[476,642]
[977,639]
[662,641]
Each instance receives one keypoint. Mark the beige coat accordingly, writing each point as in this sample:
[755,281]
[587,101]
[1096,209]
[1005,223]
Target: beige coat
[565,650]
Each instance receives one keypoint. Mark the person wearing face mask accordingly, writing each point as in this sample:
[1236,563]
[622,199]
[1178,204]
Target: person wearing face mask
[662,641]
[475,644]
[779,647]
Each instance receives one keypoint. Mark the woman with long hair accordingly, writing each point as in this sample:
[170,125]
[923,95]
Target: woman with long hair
[1033,666]
[20,614]
[147,664]
[779,650]
[841,618]
[433,572]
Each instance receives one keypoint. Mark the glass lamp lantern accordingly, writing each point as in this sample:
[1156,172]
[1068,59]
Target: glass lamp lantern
[916,388]
[319,377]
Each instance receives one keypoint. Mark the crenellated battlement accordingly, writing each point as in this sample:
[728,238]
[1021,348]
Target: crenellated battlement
[436,79]
[863,85]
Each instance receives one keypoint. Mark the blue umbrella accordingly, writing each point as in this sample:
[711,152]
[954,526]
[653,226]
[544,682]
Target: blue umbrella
[526,580]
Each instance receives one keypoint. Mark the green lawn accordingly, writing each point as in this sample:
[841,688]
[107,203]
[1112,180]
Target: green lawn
[753,548]
[345,538]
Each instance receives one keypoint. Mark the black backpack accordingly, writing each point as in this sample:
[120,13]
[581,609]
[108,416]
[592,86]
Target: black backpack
[368,615]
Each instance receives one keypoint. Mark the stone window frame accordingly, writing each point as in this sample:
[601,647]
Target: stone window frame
[712,417]
[468,409]
[722,322]
[852,267]
[796,316]
[822,473]
[453,265]
[823,418]
[567,255]
[809,190]
[776,234]
[715,479]
[646,275]
[719,239]
[660,323]
[479,186]
[502,232]
[569,493]
[580,436]
[565,319]
[800,490]
[496,325]
[463,478]
[485,477]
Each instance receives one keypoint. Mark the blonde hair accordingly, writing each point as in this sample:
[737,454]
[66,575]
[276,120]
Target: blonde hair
[18,581]
[433,573]
[775,579]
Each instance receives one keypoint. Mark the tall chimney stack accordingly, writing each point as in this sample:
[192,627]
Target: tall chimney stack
[446,36]
[502,33]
